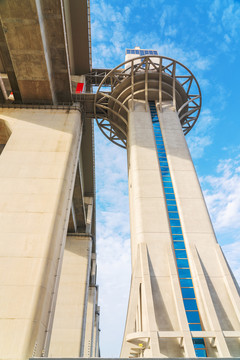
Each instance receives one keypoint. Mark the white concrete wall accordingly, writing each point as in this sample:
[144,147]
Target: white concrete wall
[37,168]
[69,325]
[218,299]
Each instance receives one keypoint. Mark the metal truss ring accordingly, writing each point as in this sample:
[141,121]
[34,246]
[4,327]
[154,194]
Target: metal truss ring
[149,77]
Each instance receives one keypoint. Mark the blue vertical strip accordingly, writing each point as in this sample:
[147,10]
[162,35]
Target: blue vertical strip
[184,273]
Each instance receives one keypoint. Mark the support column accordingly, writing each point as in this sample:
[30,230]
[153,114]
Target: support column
[91,306]
[37,172]
[69,325]
[149,229]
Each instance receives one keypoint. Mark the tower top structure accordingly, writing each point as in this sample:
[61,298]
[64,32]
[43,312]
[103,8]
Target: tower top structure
[148,77]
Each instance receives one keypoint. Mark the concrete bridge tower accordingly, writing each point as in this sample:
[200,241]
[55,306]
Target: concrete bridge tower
[184,300]
[48,292]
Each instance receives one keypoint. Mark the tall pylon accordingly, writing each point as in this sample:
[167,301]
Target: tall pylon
[184,300]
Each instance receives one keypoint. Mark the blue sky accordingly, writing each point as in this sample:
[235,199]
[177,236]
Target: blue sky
[205,36]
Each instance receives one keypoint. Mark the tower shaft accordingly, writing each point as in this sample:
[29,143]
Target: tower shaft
[183,300]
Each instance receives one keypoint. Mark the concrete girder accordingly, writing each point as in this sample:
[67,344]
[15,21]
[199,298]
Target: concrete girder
[34,51]
[7,66]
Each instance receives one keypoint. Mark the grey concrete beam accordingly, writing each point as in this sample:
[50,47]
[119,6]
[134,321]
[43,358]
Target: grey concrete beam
[6,64]
[78,33]
[56,47]
[24,42]
[34,41]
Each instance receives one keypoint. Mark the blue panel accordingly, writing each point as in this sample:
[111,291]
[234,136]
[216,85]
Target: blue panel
[141,52]
[175,223]
[173,215]
[169,190]
[178,237]
[190,304]
[195,327]
[167,186]
[193,317]
[181,254]
[163,164]
[171,201]
[198,343]
[166,178]
[184,273]
[186,282]
[167,181]
[172,208]
[164,169]
[176,230]
[170,197]
[188,293]
[178,245]
[201,353]
[182,263]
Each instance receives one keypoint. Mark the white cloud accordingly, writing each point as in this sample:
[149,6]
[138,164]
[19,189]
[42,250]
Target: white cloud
[197,145]
[113,242]
[214,8]
[201,135]
[222,195]
[231,18]
[114,272]
[109,32]
[224,18]
[171,31]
